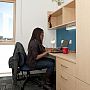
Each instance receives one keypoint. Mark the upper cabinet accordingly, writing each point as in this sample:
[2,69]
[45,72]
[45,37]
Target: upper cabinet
[63,16]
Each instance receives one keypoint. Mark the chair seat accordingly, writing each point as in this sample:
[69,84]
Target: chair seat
[25,68]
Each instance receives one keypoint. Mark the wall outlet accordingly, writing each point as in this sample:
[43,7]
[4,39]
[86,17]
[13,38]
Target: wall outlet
[70,42]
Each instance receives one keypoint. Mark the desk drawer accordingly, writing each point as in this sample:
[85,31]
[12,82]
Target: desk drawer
[65,66]
[68,82]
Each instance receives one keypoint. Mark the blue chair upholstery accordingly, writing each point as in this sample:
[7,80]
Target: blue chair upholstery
[25,68]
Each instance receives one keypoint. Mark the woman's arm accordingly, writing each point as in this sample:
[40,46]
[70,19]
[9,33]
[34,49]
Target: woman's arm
[41,55]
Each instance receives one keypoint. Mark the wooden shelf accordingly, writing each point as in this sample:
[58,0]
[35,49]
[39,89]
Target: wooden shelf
[71,4]
[63,16]
[69,12]
[63,25]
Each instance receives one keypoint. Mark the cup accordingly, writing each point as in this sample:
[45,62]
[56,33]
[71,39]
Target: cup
[65,50]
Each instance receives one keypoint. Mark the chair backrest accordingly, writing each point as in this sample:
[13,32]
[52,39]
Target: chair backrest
[19,52]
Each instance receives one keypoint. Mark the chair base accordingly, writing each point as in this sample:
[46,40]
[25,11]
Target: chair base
[38,80]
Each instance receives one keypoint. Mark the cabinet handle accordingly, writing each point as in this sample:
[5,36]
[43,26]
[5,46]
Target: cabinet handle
[63,78]
[64,66]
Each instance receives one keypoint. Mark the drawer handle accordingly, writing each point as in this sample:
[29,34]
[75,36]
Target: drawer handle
[63,78]
[64,66]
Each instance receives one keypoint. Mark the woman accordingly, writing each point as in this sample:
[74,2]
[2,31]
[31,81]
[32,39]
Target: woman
[37,54]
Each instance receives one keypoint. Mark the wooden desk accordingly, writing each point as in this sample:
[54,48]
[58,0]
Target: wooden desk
[65,71]
[71,57]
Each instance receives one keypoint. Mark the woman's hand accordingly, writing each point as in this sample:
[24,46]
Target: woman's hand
[48,50]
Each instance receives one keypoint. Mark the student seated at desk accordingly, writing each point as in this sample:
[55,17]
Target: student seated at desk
[37,54]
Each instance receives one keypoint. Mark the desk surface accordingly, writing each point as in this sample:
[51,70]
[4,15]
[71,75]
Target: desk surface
[69,57]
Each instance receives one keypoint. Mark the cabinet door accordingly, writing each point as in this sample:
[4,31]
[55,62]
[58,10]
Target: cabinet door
[58,81]
[82,86]
[68,67]
[83,41]
[58,74]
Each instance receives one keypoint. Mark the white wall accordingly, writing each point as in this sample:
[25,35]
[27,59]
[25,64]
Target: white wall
[31,14]
[18,21]
[6,51]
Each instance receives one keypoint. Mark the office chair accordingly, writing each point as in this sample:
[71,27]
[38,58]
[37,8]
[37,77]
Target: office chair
[18,64]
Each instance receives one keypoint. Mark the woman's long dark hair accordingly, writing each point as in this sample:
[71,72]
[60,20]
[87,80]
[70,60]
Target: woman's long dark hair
[36,34]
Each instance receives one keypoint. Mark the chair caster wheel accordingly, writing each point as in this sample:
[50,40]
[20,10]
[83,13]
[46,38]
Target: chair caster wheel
[46,87]
[22,88]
